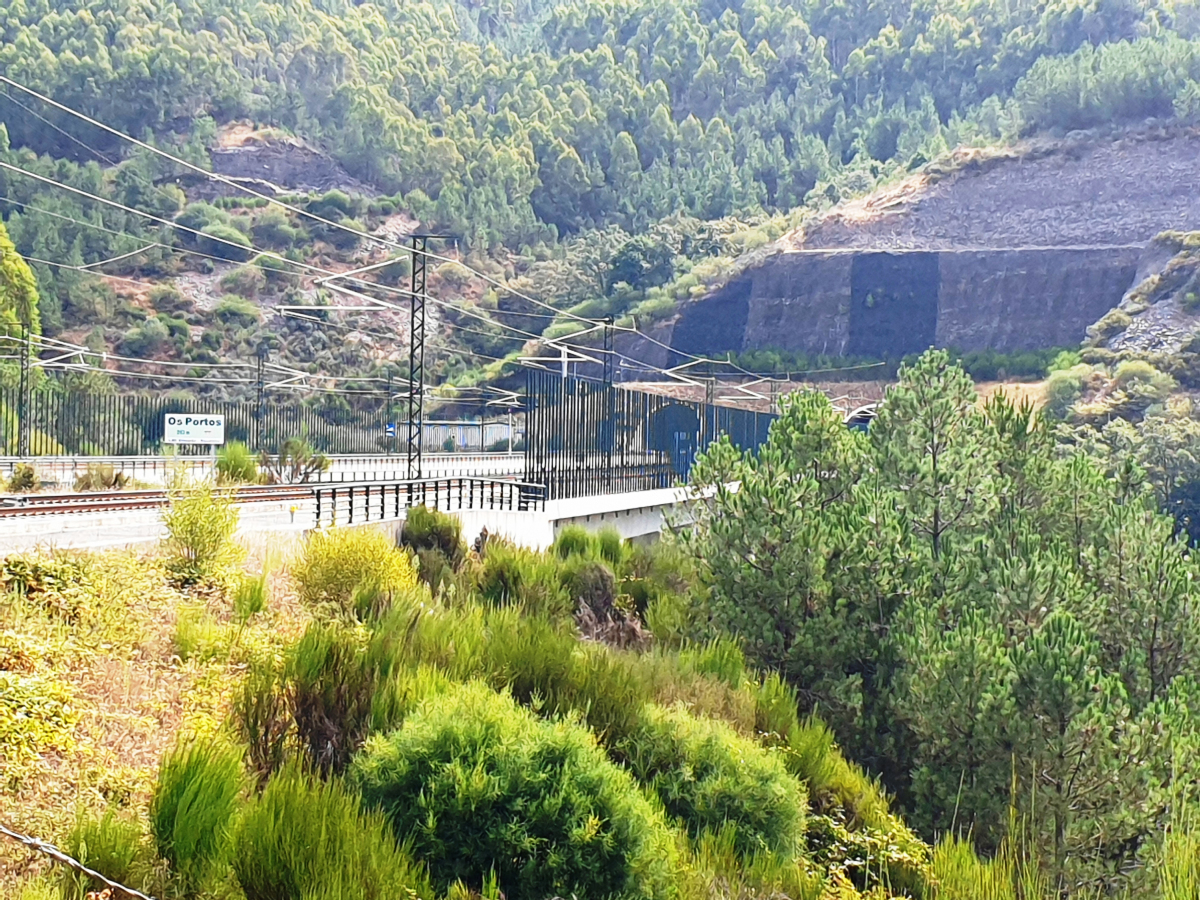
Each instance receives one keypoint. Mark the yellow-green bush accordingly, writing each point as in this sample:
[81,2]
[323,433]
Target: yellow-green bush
[514,576]
[334,565]
[37,714]
[201,523]
[479,787]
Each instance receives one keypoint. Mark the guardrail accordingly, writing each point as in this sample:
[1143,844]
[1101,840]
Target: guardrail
[351,503]
[156,469]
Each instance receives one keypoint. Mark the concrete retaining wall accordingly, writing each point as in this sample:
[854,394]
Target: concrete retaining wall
[890,303]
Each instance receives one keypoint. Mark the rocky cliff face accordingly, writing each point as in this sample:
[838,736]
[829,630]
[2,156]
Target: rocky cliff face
[1011,250]
[1160,314]
[272,166]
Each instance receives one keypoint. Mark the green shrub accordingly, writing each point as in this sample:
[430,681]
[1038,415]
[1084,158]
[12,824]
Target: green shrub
[235,310]
[1109,326]
[193,807]
[225,242]
[709,778]
[166,299]
[146,339]
[1063,388]
[333,205]
[480,787]
[429,529]
[344,238]
[236,464]
[272,228]
[574,540]
[304,839]
[201,524]
[590,584]
[1139,377]
[333,678]
[1064,359]
[199,215]
[434,569]
[109,844]
[246,281]
[334,564]
[518,577]
[295,463]
[24,478]
[612,547]
[278,272]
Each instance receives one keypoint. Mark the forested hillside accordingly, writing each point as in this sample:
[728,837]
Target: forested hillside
[605,155]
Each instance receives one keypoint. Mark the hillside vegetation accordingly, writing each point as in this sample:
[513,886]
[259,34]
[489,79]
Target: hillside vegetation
[610,157]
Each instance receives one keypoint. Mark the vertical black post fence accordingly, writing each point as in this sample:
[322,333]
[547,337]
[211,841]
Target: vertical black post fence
[586,437]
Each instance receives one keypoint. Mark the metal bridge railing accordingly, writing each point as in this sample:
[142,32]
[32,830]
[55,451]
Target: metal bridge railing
[357,503]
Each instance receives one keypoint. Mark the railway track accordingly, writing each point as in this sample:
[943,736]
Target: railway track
[110,501]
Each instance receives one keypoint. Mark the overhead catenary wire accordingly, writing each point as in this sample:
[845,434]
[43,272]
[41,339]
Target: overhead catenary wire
[327,276]
[362,234]
[325,272]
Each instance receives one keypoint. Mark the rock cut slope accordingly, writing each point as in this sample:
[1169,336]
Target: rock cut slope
[1006,249]
[1076,192]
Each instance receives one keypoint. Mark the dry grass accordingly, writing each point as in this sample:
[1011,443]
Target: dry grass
[131,694]
[1018,391]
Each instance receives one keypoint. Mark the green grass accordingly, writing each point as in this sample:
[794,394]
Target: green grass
[192,811]
[304,838]
[110,844]
[250,597]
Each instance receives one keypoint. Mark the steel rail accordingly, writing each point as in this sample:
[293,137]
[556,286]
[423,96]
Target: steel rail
[108,501]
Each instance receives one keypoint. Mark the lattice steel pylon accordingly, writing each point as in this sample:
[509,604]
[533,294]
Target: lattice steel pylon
[262,353]
[416,354]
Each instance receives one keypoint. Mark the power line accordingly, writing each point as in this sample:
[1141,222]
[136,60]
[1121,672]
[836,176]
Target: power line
[362,234]
[306,266]
[291,313]
[11,99]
